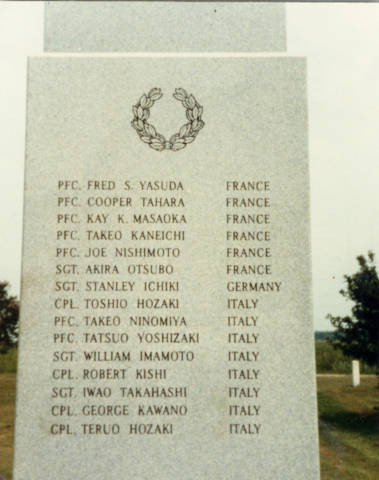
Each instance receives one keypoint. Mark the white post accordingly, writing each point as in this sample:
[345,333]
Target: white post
[356,379]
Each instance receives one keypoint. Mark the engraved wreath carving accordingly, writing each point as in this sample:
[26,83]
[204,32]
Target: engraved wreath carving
[148,133]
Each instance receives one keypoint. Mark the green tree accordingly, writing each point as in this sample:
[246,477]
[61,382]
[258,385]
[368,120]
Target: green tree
[358,335]
[9,312]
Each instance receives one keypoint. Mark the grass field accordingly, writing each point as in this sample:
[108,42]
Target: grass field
[7,407]
[349,421]
[349,428]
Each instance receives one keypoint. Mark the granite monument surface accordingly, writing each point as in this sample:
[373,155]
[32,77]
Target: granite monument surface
[164,27]
[166,326]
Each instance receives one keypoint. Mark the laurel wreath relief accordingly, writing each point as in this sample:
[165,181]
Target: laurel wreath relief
[148,133]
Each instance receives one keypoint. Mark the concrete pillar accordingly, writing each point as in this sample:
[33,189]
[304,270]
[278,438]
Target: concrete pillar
[356,376]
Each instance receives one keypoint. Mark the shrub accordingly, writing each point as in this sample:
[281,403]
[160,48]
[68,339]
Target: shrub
[331,360]
[8,361]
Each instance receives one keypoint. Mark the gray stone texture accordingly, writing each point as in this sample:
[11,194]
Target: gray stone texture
[78,128]
[164,27]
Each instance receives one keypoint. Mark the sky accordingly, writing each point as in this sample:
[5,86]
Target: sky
[341,43]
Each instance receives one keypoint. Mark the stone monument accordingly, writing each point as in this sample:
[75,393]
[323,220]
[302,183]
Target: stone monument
[166,324]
